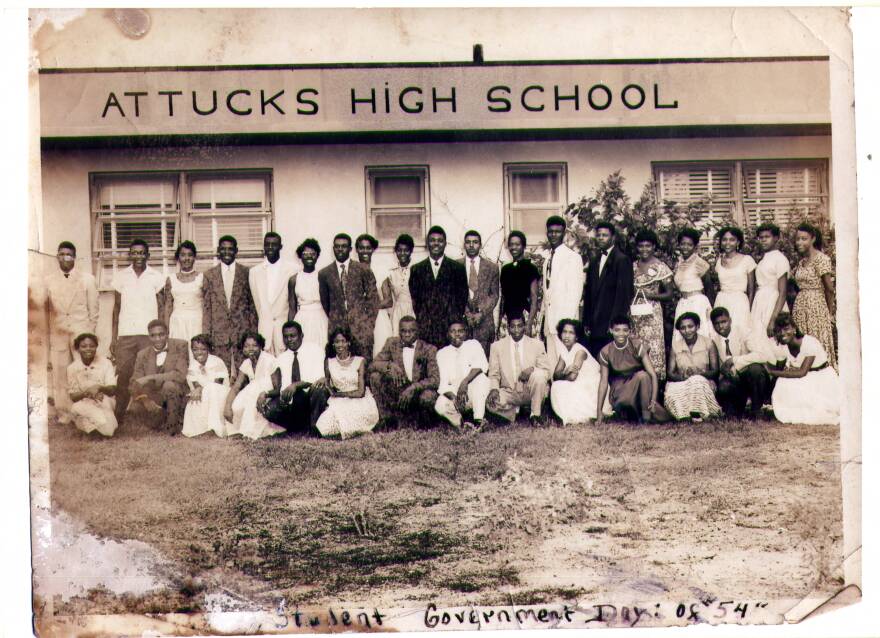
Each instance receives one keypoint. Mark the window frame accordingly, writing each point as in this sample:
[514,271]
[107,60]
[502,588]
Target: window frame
[421,171]
[512,168]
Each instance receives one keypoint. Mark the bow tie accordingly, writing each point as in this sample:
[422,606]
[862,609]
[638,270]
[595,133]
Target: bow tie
[604,253]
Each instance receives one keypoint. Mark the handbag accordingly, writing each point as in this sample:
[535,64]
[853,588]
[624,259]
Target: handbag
[641,308]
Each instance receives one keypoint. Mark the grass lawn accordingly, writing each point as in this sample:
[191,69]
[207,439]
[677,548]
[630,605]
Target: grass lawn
[514,514]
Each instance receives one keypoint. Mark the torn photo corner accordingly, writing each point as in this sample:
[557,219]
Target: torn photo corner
[179,499]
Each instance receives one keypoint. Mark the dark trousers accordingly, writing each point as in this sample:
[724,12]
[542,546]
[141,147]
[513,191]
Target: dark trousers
[126,352]
[170,396]
[387,394]
[301,414]
[752,382]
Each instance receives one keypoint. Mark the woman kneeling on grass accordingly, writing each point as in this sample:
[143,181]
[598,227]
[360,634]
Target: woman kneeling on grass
[91,382]
[208,382]
[627,371]
[807,387]
[692,369]
[575,377]
[256,370]
[351,408]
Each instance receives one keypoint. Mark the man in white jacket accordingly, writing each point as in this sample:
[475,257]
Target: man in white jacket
[268,282]
[563,279]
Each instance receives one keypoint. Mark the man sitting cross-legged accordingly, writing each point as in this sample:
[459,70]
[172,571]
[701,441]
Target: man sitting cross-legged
[518,373]
[158,383]
[404,376]
[463,381]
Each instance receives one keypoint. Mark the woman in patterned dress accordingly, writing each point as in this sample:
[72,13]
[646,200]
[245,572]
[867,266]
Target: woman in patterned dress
[395,289]
[692,279]
[651,278]
[351,408]
[180,301]
[771,276]
[693,368]
[305,298]
[814,305]
[736,274]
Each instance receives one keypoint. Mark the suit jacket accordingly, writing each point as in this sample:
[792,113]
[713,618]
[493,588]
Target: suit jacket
[363,302]
[426,374]
[485,299]
[73,306]
[438,301]
[272,305]
[609,293]
[562,297]
[223,322]
[501,374]
[176,361]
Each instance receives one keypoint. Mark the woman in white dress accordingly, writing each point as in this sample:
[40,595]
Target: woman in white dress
[351,408]
[771,276]
[807,387]
[395,289]
[692,280]
[181,298]
[692,369]
[365,245]
[91,383]
[256,370]
[736,274]
[576,374]
[305,298]
[208,382]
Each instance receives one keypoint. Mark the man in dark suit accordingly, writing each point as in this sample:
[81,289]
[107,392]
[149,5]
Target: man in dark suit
[439,290]
[404,376]
[349,296]
[227,305]
[609,289]
[158,384]
[483,287]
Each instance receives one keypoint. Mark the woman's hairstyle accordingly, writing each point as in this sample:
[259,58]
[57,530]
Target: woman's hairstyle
[308,243]
[365,237]
[646,234]
[687,315]
[185,244]
[517,233]
[692,233]
[251,334]
[82,337]
[345,332]
[606,224]
[733,230]
[785,320]
[719,311]
[203,339]
[773,229]
[576,325]
[620,320]
[405,240]
[814,232]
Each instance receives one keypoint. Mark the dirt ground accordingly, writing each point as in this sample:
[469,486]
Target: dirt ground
[511,515]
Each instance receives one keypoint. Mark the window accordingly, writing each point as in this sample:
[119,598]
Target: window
[751,192]
[166,208]
[397,202]
[532,193]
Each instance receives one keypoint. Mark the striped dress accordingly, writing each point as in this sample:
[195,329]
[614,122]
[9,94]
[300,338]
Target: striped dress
[696,394]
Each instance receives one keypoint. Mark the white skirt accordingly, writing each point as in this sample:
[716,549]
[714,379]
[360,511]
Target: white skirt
[813,399]
[700,306]
[737,304]
[762,308]
[575,401]
[314,324]
[206,415]
[185,324]
[246,419]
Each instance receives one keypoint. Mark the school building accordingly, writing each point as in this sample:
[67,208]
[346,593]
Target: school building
[168,154]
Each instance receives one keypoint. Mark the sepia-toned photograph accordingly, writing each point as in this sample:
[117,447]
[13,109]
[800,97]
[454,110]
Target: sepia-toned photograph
[441,319]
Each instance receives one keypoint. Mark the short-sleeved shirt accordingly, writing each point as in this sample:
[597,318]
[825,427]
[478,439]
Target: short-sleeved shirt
[139,305]
[689,273]
[771,267]
[456,363]
[80,376]
[696,356]
[516,282]
[810,347]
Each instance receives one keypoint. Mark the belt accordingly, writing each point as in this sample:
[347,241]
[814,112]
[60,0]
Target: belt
[691,293]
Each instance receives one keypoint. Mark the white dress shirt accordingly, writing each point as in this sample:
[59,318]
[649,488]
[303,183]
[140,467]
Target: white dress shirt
[409,355]
[456,363]
[744,349]
[228,274]
[273,273]
[138,305]
[436,264]
[160,356]
[603,259]
[310,357]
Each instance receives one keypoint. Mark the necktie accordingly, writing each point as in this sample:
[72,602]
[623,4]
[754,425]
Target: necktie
[294,369]
[517,361]
[436,269]
[67,275]
[727,347]
[472,278]
[342,281]
[550,264]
